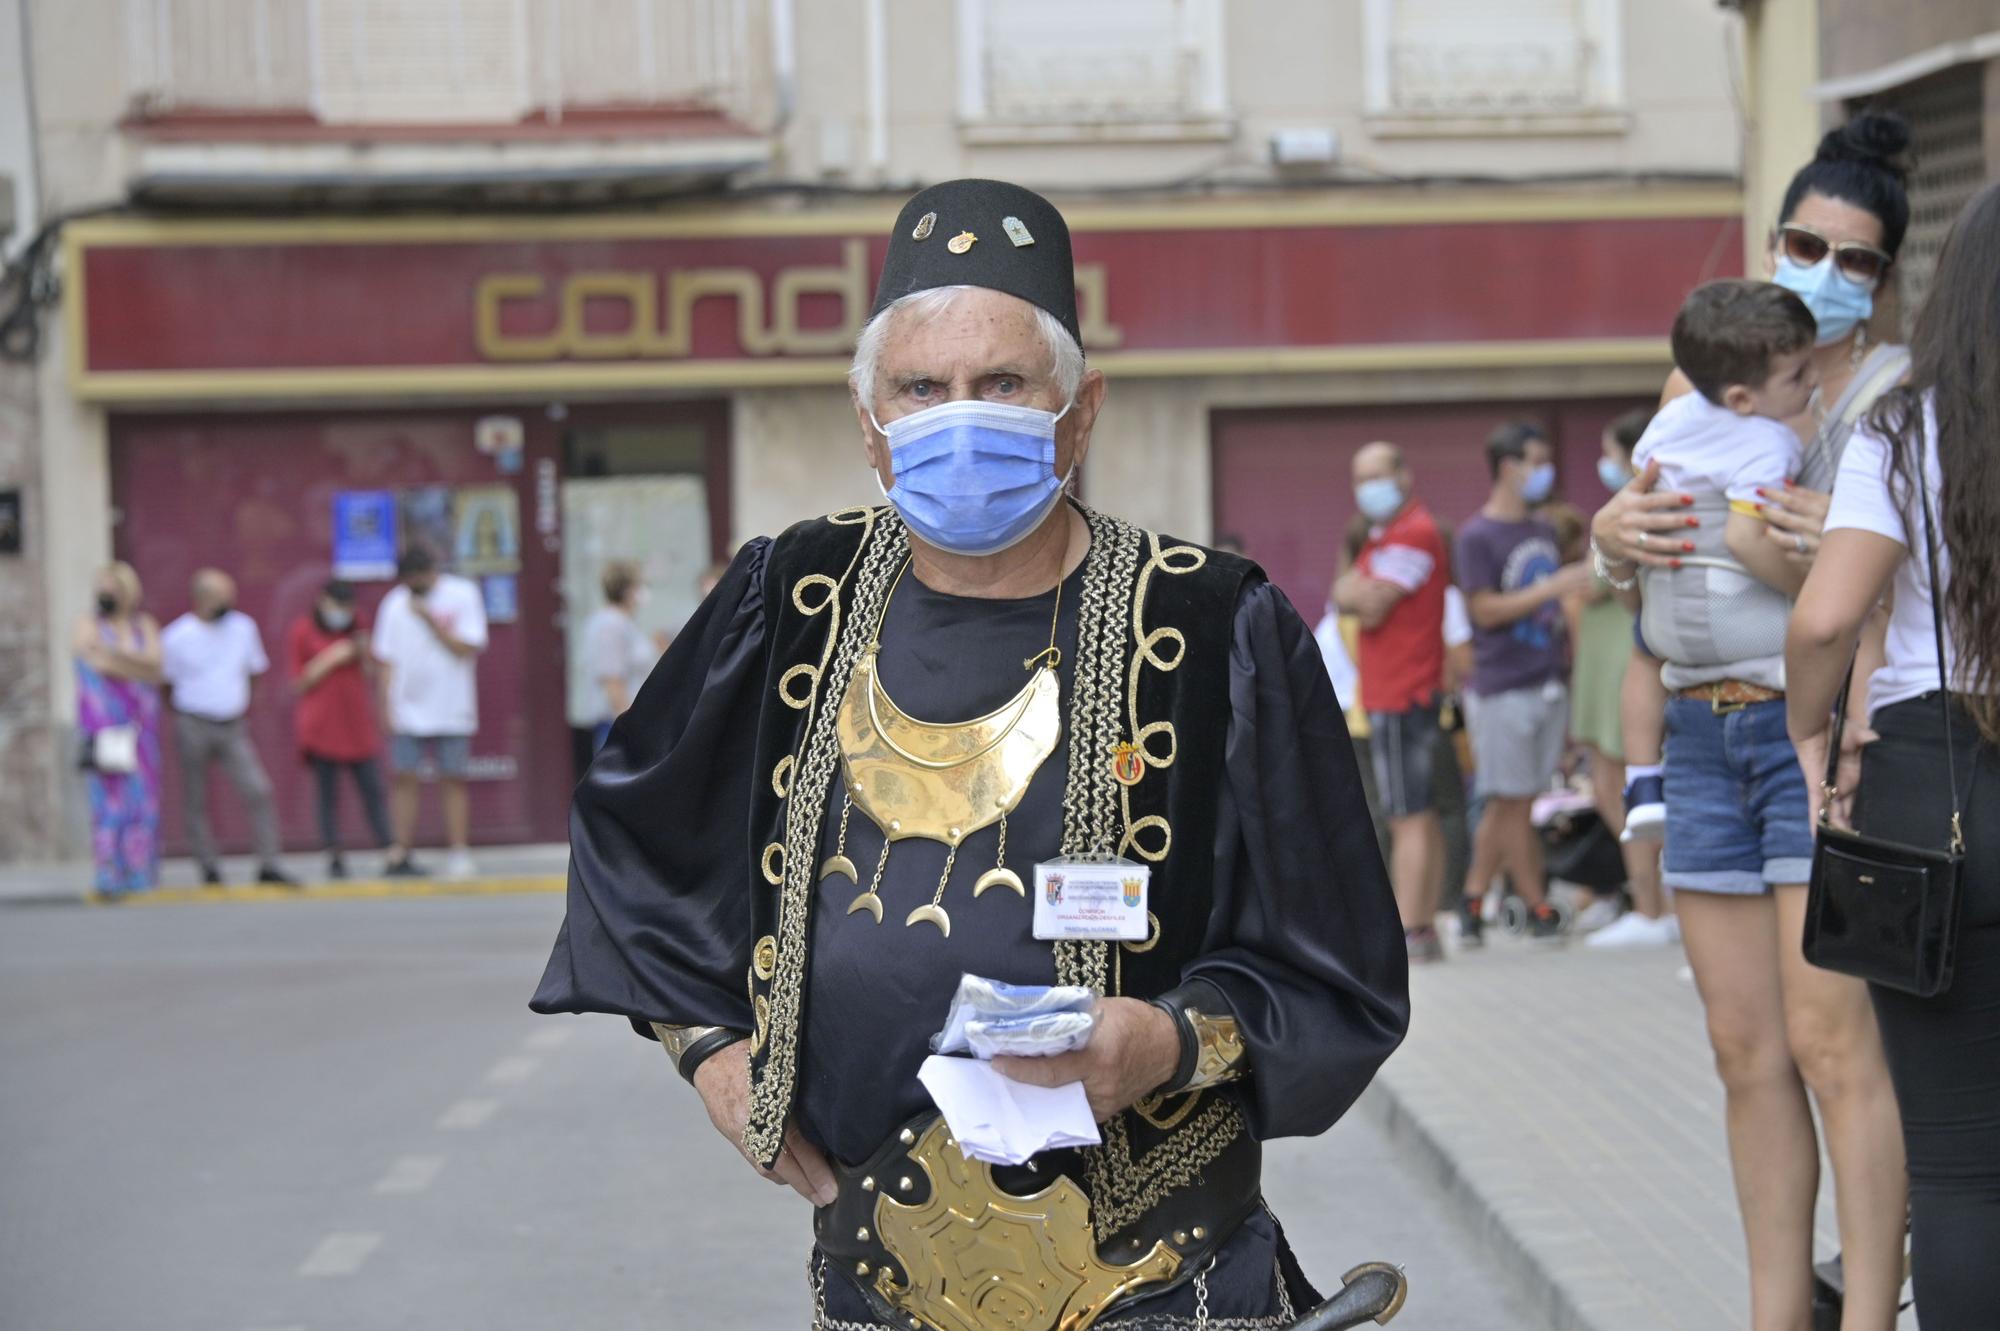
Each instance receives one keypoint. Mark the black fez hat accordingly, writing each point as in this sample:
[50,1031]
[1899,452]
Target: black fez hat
[982,233]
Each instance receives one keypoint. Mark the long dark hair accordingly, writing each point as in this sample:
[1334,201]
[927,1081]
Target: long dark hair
[1858,163]
[1955,365]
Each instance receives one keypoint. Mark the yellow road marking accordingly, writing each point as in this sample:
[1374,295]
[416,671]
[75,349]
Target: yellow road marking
[347,891]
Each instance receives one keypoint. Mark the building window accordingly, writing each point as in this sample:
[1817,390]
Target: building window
[1140,66]
[1947,116]
[1471,66]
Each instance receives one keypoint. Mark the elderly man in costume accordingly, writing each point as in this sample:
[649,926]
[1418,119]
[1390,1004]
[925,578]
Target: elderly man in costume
[781,873]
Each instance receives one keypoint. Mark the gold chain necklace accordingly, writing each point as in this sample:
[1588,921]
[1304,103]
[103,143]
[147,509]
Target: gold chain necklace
[940,781]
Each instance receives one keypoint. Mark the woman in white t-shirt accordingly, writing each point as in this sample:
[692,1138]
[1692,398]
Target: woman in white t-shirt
[1943,426]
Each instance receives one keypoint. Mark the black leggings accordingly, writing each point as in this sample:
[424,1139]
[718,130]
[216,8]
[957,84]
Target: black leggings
[367,780]
[1944,1052]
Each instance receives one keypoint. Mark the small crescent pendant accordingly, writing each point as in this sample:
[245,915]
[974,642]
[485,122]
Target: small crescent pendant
[869,902]
[1000,878]
[840,864]
[929,915]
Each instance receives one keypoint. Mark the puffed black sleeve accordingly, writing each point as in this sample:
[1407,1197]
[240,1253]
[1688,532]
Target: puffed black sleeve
[1304,942]
[658,923]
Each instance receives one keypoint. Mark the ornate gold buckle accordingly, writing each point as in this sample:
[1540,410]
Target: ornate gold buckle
[978,1258]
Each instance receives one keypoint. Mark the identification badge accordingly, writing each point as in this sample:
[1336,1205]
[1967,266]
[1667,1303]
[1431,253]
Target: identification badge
[1102,898]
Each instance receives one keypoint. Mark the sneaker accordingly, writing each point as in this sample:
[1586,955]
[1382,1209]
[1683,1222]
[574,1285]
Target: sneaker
[1423,944]
[211,875]
[1645,810]
[458,866]
[270,875]
[1471,925]
[405,868]
[1599,914]
[1636,930]
[1545,925]
[336,867]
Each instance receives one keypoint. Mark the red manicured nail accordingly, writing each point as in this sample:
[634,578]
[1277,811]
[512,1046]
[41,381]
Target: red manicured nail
[1674,563]
[1788,485]
[1758,507]
[1694,522]
[1686,500]
[1687,547]
[1762,495]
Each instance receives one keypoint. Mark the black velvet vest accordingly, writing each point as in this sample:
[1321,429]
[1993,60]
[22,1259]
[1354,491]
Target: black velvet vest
[1154,633]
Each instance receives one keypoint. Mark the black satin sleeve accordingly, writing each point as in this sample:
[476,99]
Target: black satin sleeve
[1305,942]
[658,924]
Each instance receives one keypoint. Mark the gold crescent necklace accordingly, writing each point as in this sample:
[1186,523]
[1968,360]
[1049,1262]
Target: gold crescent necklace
[936,780]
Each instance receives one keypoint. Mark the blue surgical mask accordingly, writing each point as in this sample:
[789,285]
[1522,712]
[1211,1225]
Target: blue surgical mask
[1379,499]
[1539,483]
[1613,473]
[973,478]
[1837,304]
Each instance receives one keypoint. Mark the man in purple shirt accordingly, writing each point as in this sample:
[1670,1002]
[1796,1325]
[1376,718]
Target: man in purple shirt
[1516,703]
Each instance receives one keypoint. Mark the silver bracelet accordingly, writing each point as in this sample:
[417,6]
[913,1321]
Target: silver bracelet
[1602,568]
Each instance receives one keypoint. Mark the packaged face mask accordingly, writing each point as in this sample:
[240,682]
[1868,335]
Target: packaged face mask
[1031,1037]
[991,1001]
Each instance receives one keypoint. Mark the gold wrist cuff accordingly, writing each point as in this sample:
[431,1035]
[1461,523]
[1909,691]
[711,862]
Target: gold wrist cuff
[1219,1053]
[676,1039]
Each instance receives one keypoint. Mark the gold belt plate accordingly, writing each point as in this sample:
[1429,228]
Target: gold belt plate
[981,1259]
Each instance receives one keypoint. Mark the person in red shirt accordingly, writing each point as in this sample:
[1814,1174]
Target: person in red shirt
[326,655]
[1396,589]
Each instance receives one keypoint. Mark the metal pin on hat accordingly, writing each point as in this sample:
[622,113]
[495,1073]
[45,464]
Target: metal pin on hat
[923,228]
[961,242]
[1017,232]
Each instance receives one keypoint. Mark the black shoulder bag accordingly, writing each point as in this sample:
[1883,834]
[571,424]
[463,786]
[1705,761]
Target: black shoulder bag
[1882,910]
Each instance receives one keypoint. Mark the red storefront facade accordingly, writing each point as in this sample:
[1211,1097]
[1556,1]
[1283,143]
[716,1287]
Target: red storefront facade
[253,370]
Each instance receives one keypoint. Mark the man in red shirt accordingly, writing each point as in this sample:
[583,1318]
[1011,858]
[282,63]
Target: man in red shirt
[1396,589]
[327,657]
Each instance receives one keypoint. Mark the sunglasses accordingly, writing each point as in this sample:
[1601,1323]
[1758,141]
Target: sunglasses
[1860,264]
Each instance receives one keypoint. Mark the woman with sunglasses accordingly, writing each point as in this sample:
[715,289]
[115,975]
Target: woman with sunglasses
[1787,1034]
[1943,427]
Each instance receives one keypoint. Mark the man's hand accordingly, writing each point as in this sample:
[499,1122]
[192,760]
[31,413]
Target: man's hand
[1131,1054]
[1569,580]
[723,1082]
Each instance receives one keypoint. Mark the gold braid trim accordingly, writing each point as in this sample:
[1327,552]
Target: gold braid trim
[1128,1188]
[884,542]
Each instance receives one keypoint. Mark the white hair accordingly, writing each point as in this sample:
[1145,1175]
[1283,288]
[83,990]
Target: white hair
[1065,356]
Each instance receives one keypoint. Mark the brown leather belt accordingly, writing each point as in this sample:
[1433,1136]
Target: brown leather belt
[1730,695]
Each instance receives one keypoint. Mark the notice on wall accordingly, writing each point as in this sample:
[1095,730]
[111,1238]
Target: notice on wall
[503,597]
[425,512]
[486,530]
[364,535]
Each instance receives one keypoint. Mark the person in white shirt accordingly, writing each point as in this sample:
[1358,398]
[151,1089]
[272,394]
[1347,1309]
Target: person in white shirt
[616,651]
[429,632]
[209,656]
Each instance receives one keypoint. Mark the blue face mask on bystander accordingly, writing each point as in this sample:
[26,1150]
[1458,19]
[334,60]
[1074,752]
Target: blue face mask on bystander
[1379,499]
[1837,304]
[1539,483]
[973,478]
[1613,473]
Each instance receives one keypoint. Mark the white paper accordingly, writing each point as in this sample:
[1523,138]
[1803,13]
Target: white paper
[1005,1122]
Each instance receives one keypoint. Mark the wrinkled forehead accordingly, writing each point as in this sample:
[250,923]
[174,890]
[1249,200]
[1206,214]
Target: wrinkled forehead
[965,333]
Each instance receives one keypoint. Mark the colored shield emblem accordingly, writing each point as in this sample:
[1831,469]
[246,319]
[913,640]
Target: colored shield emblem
[1132,890]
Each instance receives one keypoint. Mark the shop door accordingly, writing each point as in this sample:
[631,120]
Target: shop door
[651,489]
[1283,481]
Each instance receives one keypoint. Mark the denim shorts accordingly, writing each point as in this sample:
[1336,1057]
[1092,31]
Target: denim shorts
[1737,818]
[450,755]
[1403,747]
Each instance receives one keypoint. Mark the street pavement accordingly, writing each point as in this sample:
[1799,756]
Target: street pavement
[338,1115]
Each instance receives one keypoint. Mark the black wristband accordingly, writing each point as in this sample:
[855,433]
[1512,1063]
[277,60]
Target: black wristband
[1203,996]
[705,1048]
[1184,1066]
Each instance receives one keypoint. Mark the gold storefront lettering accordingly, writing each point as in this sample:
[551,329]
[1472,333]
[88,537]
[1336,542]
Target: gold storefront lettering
[644,332]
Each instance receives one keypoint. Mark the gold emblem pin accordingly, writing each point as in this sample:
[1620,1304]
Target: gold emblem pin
[961,242]
[1127,764]
[924,226]
[1017,232]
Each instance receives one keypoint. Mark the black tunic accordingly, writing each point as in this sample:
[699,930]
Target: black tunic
[1303,939]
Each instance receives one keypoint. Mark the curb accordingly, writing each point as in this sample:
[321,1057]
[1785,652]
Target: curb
[1543,1295]
[361,890]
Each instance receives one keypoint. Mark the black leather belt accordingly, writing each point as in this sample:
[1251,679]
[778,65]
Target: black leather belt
[959,1245]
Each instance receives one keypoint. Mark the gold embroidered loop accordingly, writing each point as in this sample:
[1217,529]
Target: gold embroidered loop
[1150,823]
[762,1007]
[764,957]
[792,700]
[807,583]
[1152,938]
[1149,1109]
[781,777]
[1193,555]
[851,517]
[1152,658]
[774,874]
[1144,737]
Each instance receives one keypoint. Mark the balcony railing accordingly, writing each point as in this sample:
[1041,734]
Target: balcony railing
[447,61]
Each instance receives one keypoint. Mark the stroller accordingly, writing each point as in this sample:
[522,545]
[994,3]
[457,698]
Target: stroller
[1576,848]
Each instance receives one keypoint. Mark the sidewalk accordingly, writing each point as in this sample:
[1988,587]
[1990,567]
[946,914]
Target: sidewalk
[501,869]
[1567,1101]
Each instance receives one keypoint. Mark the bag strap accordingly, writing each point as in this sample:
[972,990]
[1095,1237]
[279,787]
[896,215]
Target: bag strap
[1937,636]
